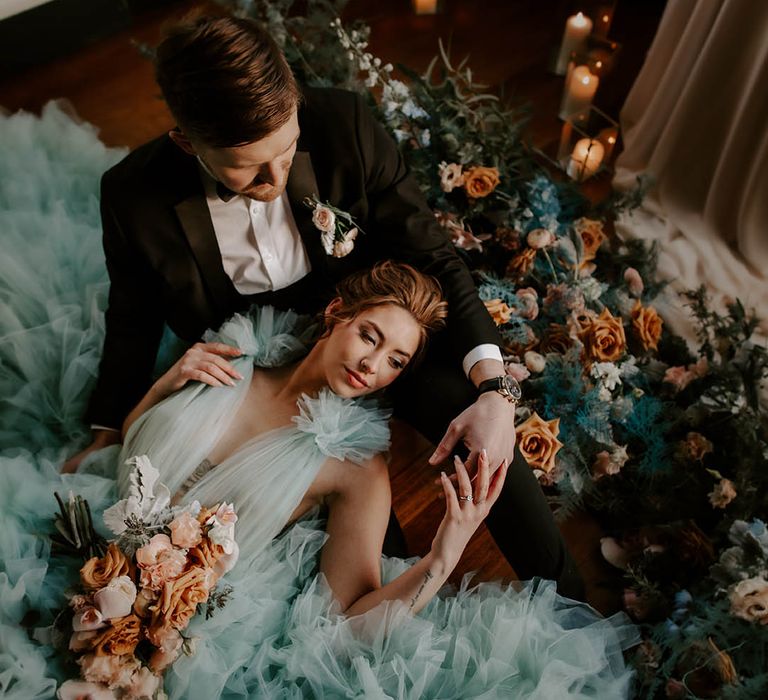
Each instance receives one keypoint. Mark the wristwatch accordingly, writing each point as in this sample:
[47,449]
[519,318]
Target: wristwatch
[505,385]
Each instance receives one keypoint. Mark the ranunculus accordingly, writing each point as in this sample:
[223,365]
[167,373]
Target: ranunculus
[499,311]
[535,361]
[450,176]
[121,638]
[167,652]
[722,494]
[142,686]
[516,370]
[538,442]
[116,598]
[529,303]
[634,281]
[697,446]
[83,690]
[519,266]
[185,530]
[97,573]
[181,597]
[646,324]
[88,619]
[539,238]
[113,671]
[603,337]
[324,219]
[159,562]
[749,600]
[480,181]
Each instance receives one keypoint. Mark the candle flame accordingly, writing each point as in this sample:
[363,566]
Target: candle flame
[585,80]
[580,20]
[611,139]
[606,18]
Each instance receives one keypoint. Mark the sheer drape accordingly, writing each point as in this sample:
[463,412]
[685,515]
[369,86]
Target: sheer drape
[696,120]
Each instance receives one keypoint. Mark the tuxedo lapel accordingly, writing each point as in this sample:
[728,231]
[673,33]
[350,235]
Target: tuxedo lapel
[302,184]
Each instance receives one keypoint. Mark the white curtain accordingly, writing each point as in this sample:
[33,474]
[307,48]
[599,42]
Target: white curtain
[696,121]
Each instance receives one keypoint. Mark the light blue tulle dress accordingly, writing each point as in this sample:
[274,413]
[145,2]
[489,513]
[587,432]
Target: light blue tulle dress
[281,634]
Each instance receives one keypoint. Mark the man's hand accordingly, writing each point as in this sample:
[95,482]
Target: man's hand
[488,423]
[101,439]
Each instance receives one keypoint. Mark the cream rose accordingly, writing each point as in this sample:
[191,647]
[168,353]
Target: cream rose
[538,442]
[480,181]
[116,598]
[516,370]
[324,219]
[749,600]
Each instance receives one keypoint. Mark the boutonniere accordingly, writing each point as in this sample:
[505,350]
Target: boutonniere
[337,228]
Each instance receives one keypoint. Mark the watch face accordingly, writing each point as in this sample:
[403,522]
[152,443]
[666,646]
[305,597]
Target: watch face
[511,386]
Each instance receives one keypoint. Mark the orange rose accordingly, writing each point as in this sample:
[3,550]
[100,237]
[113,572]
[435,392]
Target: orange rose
[521,264]
[205,555]
[592,237]
[646,324]
[603,337]
[97,573]
[499,311]
[480,181]
[180,598]
[537,439]
[121,638]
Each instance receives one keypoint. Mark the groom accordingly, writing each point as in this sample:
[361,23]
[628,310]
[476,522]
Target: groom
[211,218]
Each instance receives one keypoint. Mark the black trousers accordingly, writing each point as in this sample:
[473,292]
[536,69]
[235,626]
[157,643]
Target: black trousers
[521,521]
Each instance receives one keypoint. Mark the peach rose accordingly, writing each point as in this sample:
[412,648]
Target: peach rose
[603,337]
[83,690]
[538,442]
[646,324]
[168,651]
[499,311]
[723,493]
[97,573]
[180,598]
[323,219]
[521,264]
[450,176]
[480,181]
[113,671]
[592,236]
[159,562]
[749,600]
[634,281]
[539,238]
[143,684]
[205,555]
[185,531]
[121,638]
[697,446]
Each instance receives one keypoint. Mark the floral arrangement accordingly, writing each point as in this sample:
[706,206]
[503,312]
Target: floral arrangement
[338,230]
[124,622]
[664,443]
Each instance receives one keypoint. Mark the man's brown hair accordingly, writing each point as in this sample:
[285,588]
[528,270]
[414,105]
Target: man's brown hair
[225,80]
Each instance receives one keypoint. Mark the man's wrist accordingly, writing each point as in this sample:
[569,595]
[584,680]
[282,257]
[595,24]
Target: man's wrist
[485,369]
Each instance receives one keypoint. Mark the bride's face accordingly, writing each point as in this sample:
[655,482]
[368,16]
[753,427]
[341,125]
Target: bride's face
[370,351]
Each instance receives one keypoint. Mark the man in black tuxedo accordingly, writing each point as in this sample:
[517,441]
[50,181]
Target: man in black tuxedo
[211,218]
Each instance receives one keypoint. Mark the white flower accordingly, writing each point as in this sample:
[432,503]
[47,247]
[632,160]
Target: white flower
[142,501]
[450,176]
[608,374]
[222,530]
[116,598]
[327,240]
[590,288]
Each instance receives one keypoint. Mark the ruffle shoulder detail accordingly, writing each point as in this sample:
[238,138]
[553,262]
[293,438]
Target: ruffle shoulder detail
[270,336]
[352,429]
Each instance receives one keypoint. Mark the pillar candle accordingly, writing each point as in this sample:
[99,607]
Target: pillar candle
[425,7]
[577,29]
[586,159]
[579,92]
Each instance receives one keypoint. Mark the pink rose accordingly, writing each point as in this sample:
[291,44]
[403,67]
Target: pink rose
[185,531]
[168,652]
[116,598]
[159,562]
[83,690]
[87,620]
[634,281]
[113,671]
[143,684]
[539,238]
[450,176]
[323,218]
[517,371]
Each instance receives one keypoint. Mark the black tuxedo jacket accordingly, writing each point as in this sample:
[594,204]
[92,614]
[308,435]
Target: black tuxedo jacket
[165,266]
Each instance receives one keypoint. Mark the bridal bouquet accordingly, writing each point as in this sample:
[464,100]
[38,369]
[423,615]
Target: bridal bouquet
[137,594]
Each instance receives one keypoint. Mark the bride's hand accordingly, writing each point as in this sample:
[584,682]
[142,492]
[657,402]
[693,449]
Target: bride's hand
[203,362]
[466,509]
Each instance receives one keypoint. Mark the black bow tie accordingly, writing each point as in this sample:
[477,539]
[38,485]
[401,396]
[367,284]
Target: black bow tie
[225,194]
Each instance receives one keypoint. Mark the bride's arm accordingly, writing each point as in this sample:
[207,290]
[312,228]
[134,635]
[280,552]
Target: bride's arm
[357,520]
[203,362]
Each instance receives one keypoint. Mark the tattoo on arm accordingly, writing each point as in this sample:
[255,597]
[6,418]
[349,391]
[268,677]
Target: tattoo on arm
[427,577]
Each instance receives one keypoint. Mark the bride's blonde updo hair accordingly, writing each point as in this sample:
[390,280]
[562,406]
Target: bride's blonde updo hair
[391,282]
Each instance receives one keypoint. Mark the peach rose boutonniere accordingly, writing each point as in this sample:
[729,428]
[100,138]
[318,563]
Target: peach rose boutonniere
[538,442]
[603,337]
[338,229]
[646,324]
[480,181]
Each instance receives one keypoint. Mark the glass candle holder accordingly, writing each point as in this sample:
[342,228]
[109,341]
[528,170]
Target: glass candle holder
[587,141]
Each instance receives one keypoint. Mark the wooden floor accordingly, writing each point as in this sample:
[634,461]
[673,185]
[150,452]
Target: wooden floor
[110,85]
